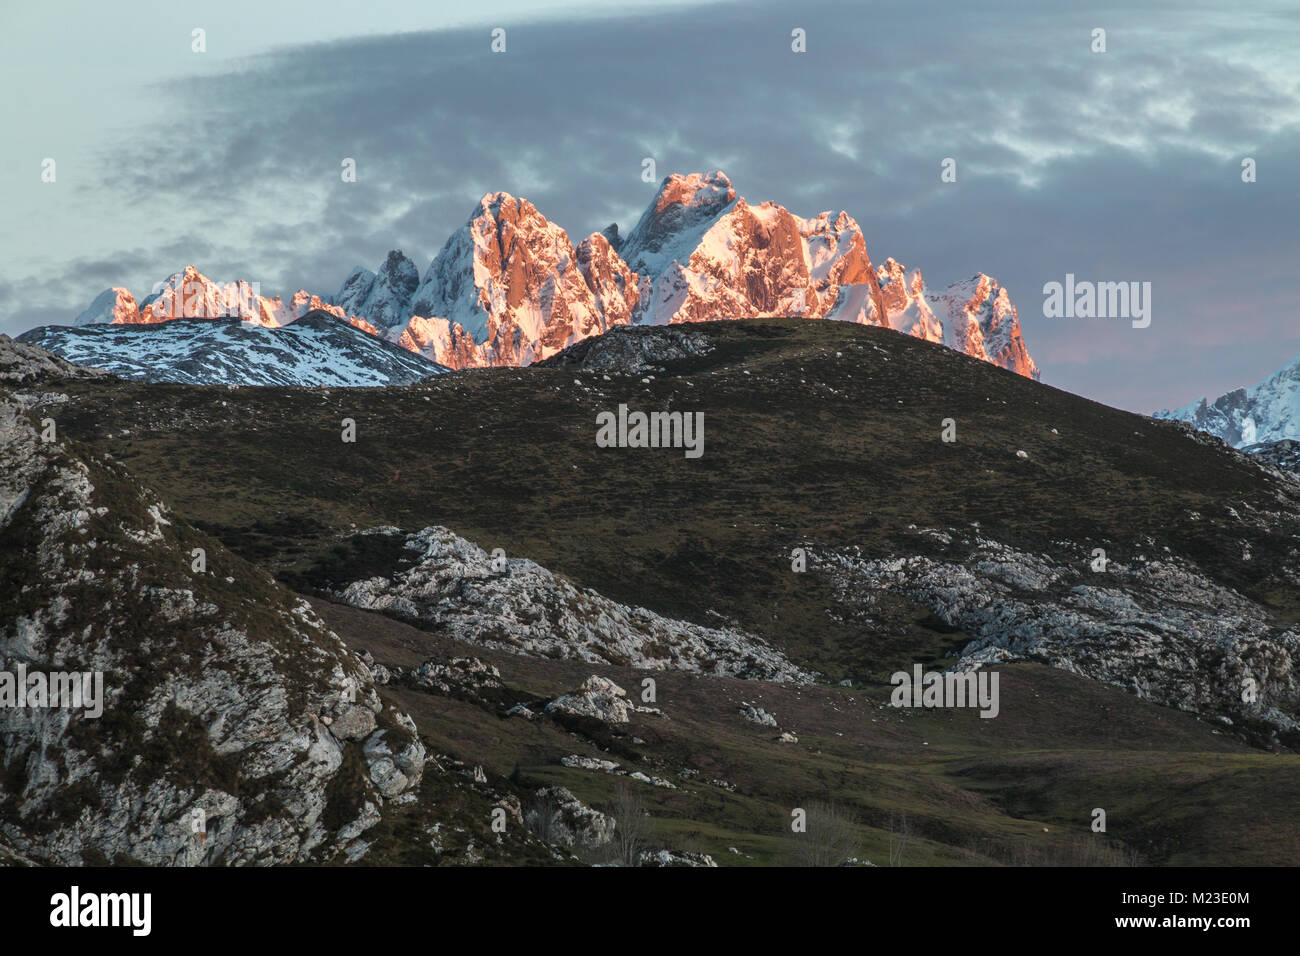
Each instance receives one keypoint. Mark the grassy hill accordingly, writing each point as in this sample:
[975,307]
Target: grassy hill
[816,434]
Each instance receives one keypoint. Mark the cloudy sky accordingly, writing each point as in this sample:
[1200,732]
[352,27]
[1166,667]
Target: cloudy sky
[1115,166]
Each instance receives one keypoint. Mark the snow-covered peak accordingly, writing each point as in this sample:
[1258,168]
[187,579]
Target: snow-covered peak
[1263,413]
[115,305]
[907,308]
[672,226]
[511,280]
[356,289]
[383,298]
[190,294]
[980,320]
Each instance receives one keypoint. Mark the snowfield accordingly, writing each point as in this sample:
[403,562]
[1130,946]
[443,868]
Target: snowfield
[319,350]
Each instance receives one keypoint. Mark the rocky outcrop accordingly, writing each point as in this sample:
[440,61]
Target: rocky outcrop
[22,363]
[517,605]
[1156,626]
[674,858]
[757,715]
[227,707]
[598,698]
[461,675]
[1283,455]
[559,817]
[628,350]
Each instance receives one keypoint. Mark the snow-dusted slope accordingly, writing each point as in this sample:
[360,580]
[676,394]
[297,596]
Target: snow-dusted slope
[319,349]
[1267,412]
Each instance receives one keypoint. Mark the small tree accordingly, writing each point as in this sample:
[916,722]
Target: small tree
[633,829]
[829,839]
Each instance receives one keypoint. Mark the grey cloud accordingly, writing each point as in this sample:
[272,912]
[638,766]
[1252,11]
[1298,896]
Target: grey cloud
[1117,165]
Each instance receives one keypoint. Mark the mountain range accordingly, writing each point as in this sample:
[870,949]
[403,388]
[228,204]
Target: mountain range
[509,287]
[1245,417]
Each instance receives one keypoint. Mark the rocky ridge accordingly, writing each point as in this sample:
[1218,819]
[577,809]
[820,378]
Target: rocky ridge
[1155,625]
[517,605]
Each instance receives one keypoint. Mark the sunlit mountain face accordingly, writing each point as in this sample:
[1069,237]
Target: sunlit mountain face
[510,288]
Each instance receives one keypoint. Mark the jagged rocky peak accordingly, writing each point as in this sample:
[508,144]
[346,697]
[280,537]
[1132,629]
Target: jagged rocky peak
[613,284]
[511,281]
[441,341]
[1267,412]
[189,294]
[383,298]
[732,259]
[682,210]
[974,316]
[906,302]
[984,324]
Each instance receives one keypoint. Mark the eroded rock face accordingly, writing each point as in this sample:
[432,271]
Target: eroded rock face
[598,698]
[629,350]
[517,605]
[1157,627]
[560,817]
[225,699]
[395,760]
